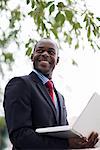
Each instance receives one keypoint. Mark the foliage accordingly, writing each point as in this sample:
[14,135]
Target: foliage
[3,133]
[63,17]
[60,20]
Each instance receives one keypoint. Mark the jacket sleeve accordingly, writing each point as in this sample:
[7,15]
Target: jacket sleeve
[17,107]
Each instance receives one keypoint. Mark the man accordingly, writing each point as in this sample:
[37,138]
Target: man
[28,105]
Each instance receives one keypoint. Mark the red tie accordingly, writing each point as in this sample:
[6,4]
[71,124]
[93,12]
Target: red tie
[49,86]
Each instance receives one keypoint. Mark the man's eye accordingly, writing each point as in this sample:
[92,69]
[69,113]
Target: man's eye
[51,52]
[39,50]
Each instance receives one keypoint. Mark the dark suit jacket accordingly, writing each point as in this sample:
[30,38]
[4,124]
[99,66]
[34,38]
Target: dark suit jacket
[28,106]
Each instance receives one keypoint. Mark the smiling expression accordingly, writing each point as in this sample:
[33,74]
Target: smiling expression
[45,56]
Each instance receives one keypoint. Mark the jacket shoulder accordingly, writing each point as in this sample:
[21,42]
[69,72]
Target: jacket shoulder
[18,80]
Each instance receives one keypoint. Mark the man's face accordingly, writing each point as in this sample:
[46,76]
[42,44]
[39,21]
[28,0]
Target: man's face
[45,56]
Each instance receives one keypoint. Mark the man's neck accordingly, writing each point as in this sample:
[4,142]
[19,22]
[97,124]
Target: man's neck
[49,76]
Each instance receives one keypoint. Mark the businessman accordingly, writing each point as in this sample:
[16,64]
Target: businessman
[32,102]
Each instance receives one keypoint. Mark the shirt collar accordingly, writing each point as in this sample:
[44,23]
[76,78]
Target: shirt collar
[41,76]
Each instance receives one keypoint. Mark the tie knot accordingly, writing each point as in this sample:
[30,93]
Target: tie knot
[49,85]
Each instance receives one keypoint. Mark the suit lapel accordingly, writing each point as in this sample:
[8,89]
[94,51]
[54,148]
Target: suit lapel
[61,107]
[43,91]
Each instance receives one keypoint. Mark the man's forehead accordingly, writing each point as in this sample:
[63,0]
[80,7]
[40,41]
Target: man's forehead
[46,42]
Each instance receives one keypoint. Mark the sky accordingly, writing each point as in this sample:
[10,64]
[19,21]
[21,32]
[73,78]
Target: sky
[76,83]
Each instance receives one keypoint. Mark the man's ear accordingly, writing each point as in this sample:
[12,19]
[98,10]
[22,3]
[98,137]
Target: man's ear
[57,60]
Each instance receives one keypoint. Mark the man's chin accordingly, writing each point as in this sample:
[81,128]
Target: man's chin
[46,73]
[43,71]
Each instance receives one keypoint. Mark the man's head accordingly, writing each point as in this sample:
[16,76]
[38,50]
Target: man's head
[45,56]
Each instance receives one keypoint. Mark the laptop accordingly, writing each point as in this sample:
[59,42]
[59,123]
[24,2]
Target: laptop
[88,121]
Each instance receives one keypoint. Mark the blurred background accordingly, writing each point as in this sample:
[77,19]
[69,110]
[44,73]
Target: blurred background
[74,25]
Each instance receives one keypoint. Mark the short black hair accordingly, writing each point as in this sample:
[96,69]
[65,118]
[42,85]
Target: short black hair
[45,39]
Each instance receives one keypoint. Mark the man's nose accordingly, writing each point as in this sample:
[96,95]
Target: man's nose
[45,53]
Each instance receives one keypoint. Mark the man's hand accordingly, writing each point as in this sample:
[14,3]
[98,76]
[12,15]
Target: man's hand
[84,142]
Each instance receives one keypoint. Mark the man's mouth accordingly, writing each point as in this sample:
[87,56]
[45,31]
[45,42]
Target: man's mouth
[44,63]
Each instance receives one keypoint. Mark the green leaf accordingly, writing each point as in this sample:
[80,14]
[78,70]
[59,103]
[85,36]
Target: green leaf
[92,44]
[98,46]
[49,3]
[88,32]
[42,4]
[54,31]
[27,44]
[8,57]
[74,62]
[91,14]
[85,18]
[51,9]
[69,39]
[43,26]
[70,2]
[17,16]
[28,1]
[95,32]
[29,51]
[77,45]
[98,18]
[76,25]
[39,22]
[33,3]
[60,19]
[60,5]
[69,15]
[31,13]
